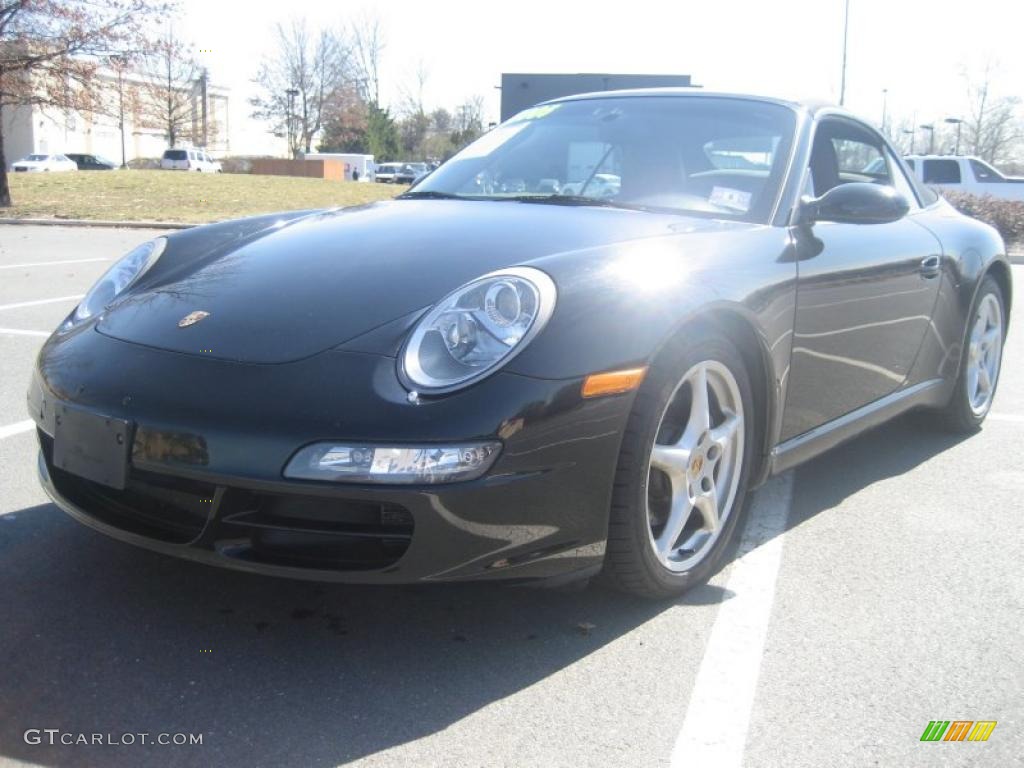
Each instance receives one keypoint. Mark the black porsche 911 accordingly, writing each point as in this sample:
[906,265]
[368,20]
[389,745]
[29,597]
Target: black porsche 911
[573,348]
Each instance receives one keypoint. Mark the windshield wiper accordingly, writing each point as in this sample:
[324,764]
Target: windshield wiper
[557,199]
[428,194]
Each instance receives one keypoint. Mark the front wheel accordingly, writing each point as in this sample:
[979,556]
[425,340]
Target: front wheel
[983,355]
[682,471]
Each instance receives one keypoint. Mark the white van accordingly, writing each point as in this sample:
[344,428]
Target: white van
[189,160]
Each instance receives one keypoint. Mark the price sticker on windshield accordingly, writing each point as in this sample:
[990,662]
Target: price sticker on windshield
[727,197]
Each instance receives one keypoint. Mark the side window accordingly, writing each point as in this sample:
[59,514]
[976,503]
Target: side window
[860,161]
[910,163]
[941,171]
[985,173]
[844,152]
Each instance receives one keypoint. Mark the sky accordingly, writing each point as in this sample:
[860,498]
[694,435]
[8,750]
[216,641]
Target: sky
[917,50]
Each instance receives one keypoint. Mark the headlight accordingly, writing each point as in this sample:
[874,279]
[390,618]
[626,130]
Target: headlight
[116,279]
[361,462]
[476,329]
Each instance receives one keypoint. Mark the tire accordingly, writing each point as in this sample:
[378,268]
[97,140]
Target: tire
[633,561]
[966,409]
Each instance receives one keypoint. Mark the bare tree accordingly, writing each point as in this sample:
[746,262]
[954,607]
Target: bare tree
[170,71]
[366,34]
[299,80]
[469,121]
[50,49]
[413,100]
[992,128]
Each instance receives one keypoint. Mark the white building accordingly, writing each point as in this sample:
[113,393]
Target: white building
[45,130]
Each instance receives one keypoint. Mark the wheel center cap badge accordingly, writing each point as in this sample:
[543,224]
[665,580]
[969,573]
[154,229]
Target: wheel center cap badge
[696,465]
[192,318]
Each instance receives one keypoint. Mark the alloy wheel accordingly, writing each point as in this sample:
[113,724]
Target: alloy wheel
[695,466]
[984,353]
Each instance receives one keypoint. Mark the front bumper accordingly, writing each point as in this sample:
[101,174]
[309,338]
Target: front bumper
[210,440]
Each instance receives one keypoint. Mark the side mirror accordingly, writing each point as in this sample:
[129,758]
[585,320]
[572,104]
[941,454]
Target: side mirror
[858,202]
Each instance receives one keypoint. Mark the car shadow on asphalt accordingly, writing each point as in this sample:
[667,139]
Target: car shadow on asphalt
[886,451]
[99,637]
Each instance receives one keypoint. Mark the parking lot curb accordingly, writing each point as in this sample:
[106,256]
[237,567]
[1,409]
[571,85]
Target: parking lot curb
[100,223]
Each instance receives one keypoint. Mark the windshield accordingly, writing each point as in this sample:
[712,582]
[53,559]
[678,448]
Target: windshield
[175,154]
[719,157]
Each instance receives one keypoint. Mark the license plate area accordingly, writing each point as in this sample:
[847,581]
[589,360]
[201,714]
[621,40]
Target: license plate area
[92,446]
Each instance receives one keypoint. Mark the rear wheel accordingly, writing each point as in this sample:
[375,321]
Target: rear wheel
[682,471]
[982,359]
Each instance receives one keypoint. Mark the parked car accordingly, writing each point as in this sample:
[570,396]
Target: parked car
[401,173]
[965,174]
[189,160]
[467,383]
[44,163]
[599,185]
[386,172]
[417,170]
[91,162]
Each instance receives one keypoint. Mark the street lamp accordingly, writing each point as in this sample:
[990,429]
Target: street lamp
[119,61]
[913,135]
[291,93]
[957,122]
[885,109]
[931,136]
[846,29]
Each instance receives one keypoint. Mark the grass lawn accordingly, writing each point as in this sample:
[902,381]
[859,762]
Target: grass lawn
[177,196]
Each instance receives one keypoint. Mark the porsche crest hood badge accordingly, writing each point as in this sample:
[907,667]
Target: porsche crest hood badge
[192,318]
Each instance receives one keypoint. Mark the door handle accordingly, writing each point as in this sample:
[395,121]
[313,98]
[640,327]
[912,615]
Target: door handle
[931,266]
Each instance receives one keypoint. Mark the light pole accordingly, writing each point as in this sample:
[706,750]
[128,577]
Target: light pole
[846,29]
[931,136]
[291,93]
[885,109]
[120,61]
[913,135]
[957,122]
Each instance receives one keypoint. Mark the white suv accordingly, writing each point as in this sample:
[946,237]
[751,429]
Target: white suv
[189,160]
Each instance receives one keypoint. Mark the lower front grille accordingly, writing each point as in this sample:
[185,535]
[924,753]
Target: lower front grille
[313,532]
[157,506]
[299,531]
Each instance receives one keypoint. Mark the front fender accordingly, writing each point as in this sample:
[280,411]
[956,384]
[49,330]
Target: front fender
[618,305]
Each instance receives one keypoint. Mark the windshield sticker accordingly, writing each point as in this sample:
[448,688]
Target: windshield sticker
[535,113]
[490,141]
[734,199]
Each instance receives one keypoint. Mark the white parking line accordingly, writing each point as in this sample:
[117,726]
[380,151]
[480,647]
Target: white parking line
[20,332]
[714,732]
[37,302]
[48,263]
[17,428]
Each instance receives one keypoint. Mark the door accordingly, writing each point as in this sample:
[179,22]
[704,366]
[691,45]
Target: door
[865,292]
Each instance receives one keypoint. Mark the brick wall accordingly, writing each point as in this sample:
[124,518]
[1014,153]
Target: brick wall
[316,169]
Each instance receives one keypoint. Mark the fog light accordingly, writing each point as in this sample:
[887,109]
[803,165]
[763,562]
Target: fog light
[408,464]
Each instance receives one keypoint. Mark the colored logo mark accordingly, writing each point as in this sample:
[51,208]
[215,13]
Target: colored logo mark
[958,730]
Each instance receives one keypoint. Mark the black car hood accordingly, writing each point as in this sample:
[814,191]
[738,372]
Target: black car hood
[331,277]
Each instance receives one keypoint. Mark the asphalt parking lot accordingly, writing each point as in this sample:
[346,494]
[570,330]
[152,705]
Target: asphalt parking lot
[874,590]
